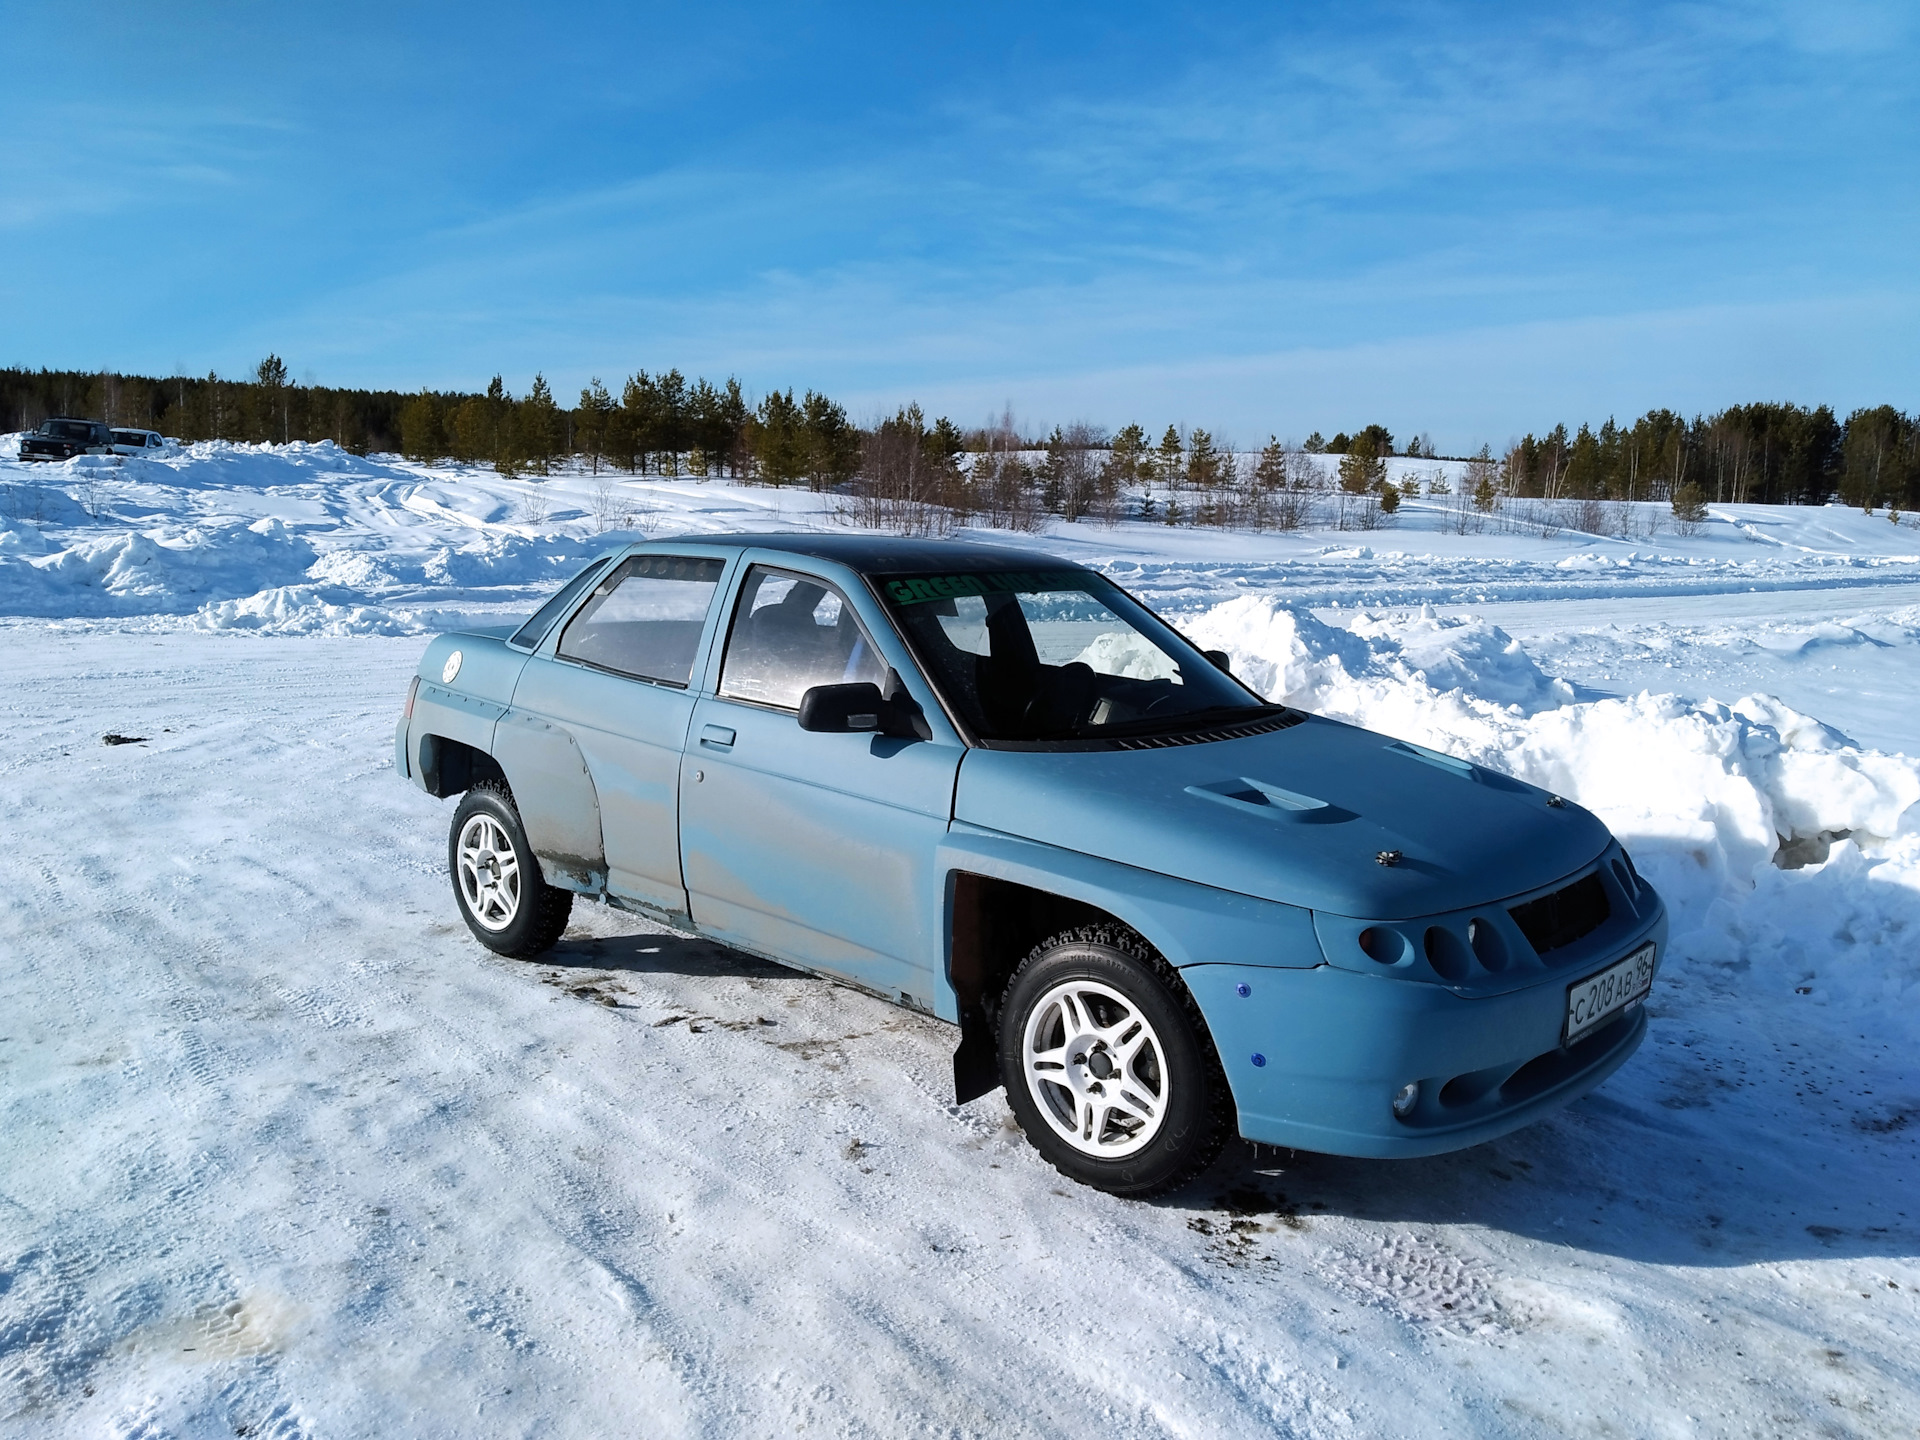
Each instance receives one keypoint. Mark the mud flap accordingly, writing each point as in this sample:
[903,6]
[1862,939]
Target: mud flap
[976,1059]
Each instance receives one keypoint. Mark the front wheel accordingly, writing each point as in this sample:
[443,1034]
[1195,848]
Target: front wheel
[505,902]
[1108,1064]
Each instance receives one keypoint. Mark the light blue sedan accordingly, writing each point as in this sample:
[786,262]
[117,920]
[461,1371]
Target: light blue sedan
[989,785]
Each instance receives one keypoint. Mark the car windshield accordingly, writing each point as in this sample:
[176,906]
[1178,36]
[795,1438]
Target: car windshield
[67,430]
[1064,655]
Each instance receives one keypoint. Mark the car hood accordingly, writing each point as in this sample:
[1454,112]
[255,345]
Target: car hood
[1299,816]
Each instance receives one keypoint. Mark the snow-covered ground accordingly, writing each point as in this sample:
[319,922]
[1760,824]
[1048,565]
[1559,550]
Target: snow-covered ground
[283,1152]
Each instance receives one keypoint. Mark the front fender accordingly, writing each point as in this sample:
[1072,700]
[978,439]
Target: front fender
[1189,924]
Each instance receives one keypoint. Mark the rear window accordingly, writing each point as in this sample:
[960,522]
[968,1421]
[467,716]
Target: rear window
[541,621]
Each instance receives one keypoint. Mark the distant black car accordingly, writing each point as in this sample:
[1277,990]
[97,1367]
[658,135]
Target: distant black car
[62,439]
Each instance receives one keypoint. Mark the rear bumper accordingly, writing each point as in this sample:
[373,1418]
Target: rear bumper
[1335,1045]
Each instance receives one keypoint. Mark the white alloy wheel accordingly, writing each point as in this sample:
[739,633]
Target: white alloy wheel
[488,871]
[1095,1068]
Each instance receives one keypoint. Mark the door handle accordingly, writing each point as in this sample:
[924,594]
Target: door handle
[718,736]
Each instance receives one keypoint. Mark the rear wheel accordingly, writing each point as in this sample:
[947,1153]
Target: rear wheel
[1108,1065]
[507,905]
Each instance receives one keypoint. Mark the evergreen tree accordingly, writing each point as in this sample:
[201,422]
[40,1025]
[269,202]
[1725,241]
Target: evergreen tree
[538,427]
[1126,453]
[639,421]
[1585,477]
[943,443]
[1377,436]
[737,416]
[1053,474]
[1482,472]
[1203,462]
[1689,508]
[1270,471]
[831,444]
[1315,444]
[502,437]
[271,414]
[670,392]
[470,435]
[420,433]
[1170,464]
[591,422]
[707,429]
[1171,461]
[1361,470]
[777,441]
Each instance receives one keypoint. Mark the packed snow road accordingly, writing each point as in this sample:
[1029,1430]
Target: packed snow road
[285,1150]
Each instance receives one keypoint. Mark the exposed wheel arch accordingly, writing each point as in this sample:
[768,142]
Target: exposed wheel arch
[453,767]
[994,926]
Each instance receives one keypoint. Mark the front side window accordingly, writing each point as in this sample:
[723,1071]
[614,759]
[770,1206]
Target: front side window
[645,618]
[1060,655]
[791,633]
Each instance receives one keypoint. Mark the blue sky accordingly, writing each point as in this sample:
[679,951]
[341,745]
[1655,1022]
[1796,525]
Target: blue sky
[1469,220]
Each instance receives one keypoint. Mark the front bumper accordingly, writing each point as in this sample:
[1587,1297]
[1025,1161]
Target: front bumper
[1334,1045]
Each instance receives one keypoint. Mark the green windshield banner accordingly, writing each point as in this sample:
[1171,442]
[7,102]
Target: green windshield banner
[917,589]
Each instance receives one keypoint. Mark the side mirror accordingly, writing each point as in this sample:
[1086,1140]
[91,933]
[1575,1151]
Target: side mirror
[1222,661]
[860,709]
[840,709]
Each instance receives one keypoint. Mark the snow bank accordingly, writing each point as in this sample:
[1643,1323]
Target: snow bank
[494,561]
[301,610]
[21,537]
[166,570]
[1777,841]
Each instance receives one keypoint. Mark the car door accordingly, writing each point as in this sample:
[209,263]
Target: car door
[616,681]
[815,848]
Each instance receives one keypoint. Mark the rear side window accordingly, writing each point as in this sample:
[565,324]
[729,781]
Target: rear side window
[645,619]
[535,630]
[791,633]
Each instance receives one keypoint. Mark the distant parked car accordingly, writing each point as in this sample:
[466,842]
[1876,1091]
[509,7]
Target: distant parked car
[138,442]
[990,785]
[61,439]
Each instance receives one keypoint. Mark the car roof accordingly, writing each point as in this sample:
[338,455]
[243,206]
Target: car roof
[875,554]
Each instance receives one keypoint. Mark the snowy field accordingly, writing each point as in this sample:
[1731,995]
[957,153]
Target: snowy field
[283,1152]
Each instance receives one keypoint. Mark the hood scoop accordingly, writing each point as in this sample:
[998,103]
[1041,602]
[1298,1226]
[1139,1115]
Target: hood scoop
[1454,765]
[1271,802]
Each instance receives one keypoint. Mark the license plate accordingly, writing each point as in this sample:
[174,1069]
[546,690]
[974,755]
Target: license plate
[1599,998]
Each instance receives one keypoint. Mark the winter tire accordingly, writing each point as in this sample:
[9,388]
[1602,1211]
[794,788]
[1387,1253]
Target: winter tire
[507,905]
[1108,1064]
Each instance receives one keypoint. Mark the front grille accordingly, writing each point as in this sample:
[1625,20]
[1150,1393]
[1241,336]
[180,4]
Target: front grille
[1557,920]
